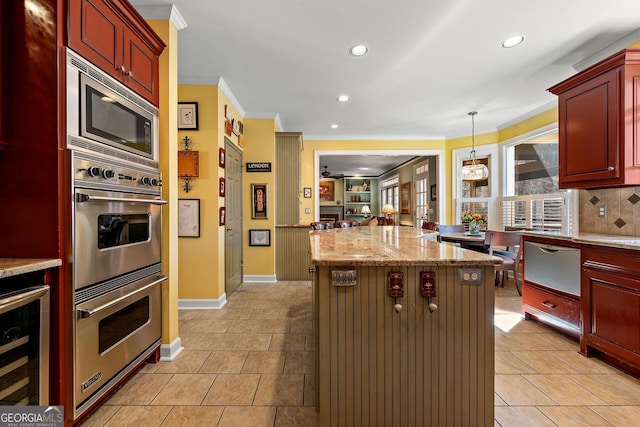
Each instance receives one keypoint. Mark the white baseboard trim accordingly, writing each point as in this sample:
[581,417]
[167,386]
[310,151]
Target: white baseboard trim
[168,352]
[202,304]
[259,279]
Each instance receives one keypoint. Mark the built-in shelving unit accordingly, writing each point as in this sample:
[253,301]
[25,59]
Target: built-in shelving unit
[358,193]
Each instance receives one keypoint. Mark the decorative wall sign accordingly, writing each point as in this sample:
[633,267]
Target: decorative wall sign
[259,237]
[258,167]
[221,159]
[222,216]
[259,201]
[188,164]
[188,217]
[221,187]
[307,192]
[188,115]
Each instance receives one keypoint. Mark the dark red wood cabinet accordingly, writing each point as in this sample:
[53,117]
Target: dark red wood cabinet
[599,124]
[610,288]
[114,37]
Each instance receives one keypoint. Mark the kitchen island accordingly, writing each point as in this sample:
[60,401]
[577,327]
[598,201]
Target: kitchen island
[403,329]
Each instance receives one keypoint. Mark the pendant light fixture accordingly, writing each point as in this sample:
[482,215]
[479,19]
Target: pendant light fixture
[474,171]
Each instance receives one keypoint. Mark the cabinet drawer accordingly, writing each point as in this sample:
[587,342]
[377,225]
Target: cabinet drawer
[555,305]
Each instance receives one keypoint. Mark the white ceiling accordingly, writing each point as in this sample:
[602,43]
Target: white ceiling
[429,62]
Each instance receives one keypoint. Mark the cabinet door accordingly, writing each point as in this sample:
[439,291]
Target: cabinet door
[141,67]
[95,32]
[614,312]
[590,132]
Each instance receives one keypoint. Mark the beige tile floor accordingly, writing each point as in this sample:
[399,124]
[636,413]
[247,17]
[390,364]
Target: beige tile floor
[250,364]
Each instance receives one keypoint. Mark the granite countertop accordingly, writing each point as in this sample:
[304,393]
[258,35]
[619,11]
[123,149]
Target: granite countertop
[388,245]
[16,266]
[609,240]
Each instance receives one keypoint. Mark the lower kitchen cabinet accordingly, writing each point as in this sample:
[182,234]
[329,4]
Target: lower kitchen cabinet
[611,305]
[560,311]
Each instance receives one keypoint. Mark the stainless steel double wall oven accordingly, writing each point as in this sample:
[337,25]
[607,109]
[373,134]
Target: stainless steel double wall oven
[116,230]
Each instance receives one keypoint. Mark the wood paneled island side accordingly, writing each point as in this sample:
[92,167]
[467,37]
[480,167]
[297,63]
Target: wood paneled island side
[407,360]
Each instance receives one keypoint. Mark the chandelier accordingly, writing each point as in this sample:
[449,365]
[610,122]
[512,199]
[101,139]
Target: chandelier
[474,170]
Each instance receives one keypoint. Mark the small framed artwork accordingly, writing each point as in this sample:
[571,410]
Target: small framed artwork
[259,237]
[307,192]
[188,115]
[221,159]
[405,198]
[236,127]
[227,112]
[188,217]
[221,189]
[259,201]
[228,128]
[434,193]
[222,216]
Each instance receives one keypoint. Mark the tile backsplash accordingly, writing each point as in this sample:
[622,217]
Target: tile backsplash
[622,211]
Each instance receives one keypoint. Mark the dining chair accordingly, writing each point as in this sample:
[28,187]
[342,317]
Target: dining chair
[321,225]
[506,245]
[343,223]
[447,229]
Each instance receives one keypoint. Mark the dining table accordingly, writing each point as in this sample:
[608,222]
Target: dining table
[465,240]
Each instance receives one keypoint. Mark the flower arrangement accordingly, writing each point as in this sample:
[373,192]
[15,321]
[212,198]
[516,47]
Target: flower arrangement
[473,217]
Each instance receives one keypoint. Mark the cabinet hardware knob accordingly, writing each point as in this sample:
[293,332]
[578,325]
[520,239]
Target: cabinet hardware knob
[433,307]
[397,308]
[611,168]
[121,68]
[129,73]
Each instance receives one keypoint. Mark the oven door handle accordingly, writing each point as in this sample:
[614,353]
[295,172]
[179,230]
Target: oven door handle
[87,198]
[85,313]
[23,298]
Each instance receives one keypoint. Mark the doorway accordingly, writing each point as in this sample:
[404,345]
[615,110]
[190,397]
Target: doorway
[233,227]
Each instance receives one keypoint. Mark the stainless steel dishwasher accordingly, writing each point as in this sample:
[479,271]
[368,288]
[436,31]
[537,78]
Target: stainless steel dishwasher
[553,266]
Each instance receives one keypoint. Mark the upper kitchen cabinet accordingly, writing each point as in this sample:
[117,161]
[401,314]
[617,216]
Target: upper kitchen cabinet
[599,124]
[113,36]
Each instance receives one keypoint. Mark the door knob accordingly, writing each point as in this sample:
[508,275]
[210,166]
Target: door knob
[228,228]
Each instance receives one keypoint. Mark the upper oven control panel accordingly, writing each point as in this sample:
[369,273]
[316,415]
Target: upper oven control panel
[97,172]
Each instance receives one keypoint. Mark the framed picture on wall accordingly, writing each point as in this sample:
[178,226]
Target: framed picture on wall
[307,192]
[405,198]
[259,201]
[434,193]
[221,189]
[188,115]
[259,237]
[188,217]
[326,190]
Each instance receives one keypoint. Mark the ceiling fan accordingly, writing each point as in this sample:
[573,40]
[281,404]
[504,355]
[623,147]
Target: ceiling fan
[327,174]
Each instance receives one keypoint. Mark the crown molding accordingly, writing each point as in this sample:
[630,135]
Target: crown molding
[334,137]
[608,51]
[163,11]
[530,114]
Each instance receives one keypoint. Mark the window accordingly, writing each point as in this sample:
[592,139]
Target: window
[389,193]
[532,198]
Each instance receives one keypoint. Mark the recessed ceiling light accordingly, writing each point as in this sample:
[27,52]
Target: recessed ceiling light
[364,169]
[358,50]
[343,98]
[334,126]
[512,41]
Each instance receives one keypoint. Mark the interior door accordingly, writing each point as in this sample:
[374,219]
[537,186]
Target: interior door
[233,204]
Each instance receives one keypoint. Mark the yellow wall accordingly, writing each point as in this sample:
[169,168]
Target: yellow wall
[259,146]
[200,274]
[168,165]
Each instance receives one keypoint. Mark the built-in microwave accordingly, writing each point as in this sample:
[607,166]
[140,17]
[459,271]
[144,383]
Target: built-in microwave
[101,109]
